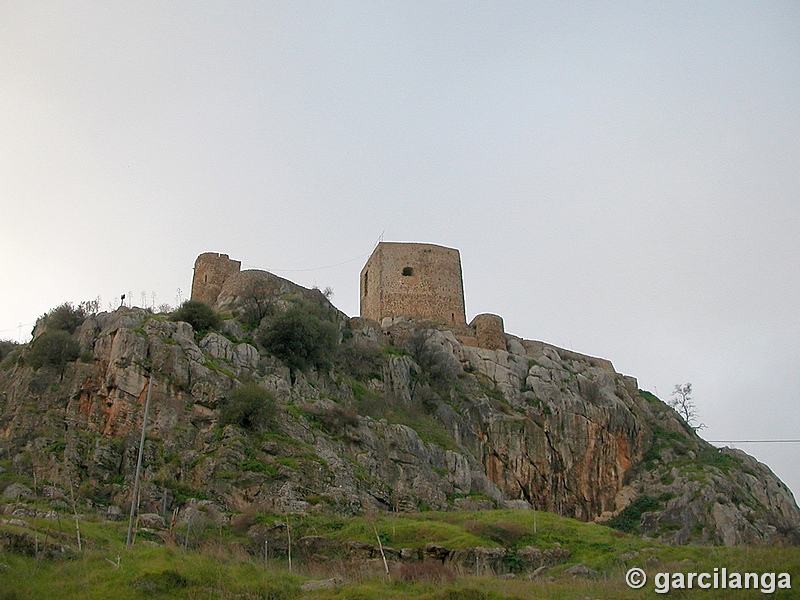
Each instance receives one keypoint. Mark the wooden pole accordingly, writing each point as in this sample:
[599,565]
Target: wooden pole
[289,537]
[380,545]
[135,498]
[75,512]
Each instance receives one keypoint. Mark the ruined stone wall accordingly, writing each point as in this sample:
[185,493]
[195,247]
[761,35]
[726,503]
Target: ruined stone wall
[490,331]
[414,280]
[211,270]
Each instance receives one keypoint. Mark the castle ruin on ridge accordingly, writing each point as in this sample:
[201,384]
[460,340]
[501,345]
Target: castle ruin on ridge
[400,279]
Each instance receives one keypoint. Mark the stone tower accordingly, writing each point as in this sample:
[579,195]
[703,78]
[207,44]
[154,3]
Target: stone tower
[210,272]
[413,280]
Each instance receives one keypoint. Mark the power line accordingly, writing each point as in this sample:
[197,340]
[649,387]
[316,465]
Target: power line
[311,269]
[17,327]
[753,441]
[377,241]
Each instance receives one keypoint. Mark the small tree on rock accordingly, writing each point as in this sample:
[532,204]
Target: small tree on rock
[684,405]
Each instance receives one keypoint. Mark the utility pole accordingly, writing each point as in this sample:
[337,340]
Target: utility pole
[135,498]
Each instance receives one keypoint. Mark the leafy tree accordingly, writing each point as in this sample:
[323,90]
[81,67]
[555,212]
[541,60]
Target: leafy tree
[249,406]
[301,337]
[54,348]
[684,405]
[198,314]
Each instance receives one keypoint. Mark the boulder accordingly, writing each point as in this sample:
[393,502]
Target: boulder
[16,491]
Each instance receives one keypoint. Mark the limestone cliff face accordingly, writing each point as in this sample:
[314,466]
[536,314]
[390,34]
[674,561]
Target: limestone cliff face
[406,418]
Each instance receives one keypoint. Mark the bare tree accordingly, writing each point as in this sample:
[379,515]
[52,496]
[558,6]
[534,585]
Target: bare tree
[257,300]
[684,405]
[327,292]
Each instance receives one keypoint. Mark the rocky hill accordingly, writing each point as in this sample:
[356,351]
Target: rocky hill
[288,405]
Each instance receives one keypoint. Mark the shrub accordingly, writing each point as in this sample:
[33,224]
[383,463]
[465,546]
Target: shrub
[513,562]
[54,348]
[6,348]
[242,522]
[629,519]
[249,406]
[198,314]
[438,369]
[300,337]
[590,390]
[360,358]
[66,317]
[335,419]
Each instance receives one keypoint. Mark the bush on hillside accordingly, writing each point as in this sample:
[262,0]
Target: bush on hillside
[199,315]
[53,348]
[360,358]
[10,354]
[67,317]
[437,368]
[249,406]
[6,348]
[630,518]
[300,337]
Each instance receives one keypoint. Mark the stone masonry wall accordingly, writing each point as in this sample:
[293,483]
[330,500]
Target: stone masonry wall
[489,331]
[211,270]
[414,280]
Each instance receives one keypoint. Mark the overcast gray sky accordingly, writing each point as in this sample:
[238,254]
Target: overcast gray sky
[621,178]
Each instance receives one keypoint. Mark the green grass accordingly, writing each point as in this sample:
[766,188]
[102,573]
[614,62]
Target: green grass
[221,568]
[256,466]
[394,351]
[92,576]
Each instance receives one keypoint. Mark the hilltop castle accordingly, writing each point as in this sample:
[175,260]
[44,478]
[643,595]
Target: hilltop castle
[400,279]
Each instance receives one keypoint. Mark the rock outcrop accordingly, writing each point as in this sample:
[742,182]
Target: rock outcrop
[404,418]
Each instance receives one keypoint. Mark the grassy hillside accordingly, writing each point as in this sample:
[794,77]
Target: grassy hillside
[221,562]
